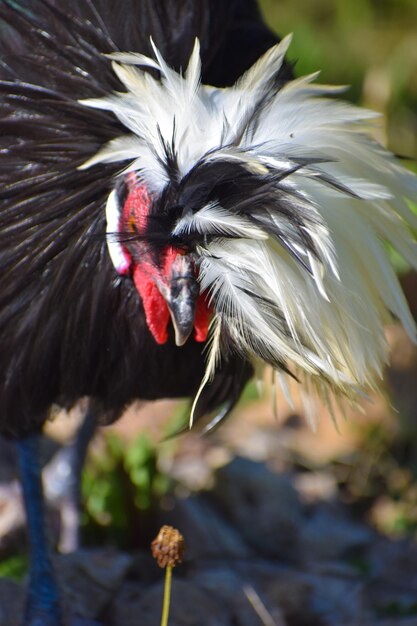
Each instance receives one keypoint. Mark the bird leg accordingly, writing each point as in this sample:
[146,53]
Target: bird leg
[42,606]
[62,481]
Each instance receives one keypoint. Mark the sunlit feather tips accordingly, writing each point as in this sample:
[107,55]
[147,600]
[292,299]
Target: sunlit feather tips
[288,205]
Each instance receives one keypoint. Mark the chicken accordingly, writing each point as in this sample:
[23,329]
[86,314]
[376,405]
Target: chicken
[169,224]
[71,324]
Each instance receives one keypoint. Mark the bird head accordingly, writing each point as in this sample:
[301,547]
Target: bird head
[263,207]
[163,269]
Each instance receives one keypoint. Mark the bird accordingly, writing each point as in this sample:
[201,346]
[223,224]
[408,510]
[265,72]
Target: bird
[177,211]
[51,56]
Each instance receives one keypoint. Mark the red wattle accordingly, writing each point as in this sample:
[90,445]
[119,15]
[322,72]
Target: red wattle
[202,319]
[155,307]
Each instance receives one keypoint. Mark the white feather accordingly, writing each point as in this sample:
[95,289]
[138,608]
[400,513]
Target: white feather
[119,257]
[213,220]
[327,322]
[212,362]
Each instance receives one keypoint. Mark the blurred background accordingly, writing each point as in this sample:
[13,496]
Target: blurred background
[364,466]
[370,45]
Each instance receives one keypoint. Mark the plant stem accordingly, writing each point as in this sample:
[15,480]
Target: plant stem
[167,595]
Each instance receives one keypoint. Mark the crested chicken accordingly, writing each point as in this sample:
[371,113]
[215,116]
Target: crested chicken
[177,211]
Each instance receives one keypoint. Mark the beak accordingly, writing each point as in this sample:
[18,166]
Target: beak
[182,298]
[182,316]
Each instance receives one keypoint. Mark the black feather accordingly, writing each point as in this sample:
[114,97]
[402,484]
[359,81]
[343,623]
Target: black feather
[69,325]
[237,188]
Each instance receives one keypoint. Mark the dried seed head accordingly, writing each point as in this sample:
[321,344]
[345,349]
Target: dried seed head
[168,547]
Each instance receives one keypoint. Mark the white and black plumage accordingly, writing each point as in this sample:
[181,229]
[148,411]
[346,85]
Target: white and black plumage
[132,193]
[285,203]
[70,325]
[276,200]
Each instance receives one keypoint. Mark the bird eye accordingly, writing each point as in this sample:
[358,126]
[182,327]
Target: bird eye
[132,224]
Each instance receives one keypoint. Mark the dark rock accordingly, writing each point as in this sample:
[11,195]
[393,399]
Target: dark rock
[190,606]
[263,505]
[90,579]
[206,532]
[12,601]
[397,621]
[329,534]
[226,583]
[292,594]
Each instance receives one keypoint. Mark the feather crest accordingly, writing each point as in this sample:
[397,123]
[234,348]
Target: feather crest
[289,201]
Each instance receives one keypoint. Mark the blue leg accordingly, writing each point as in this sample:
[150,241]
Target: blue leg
[42,608]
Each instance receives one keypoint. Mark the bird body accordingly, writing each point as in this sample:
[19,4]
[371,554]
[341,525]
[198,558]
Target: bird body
[175,212]
[72,318]
[70,325]
[133,194]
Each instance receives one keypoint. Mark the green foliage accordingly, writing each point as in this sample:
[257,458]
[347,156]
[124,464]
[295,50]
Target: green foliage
[251,393]
[121,487]
[141,465]
[400,265]
[367,44]
[103,485]
[15,567]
